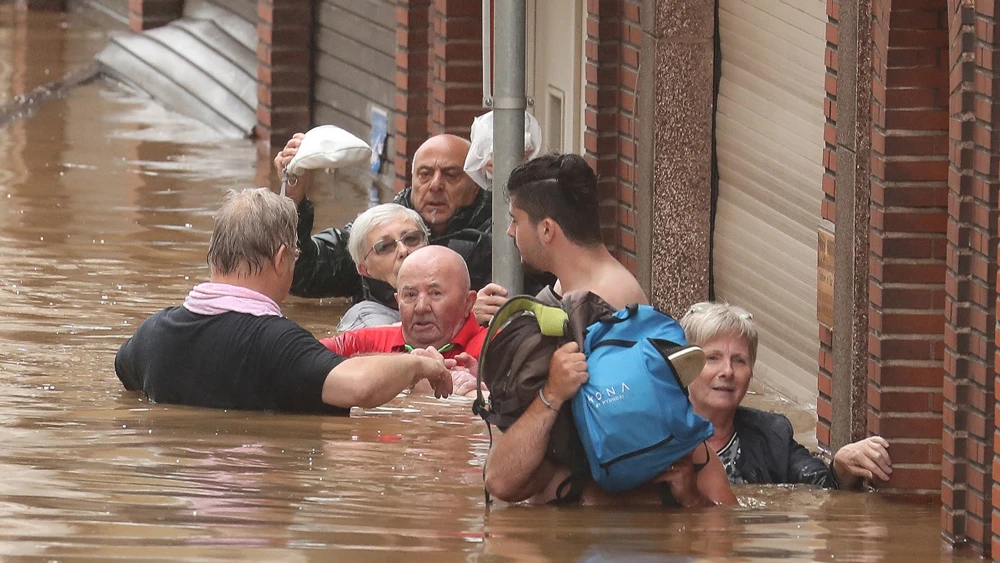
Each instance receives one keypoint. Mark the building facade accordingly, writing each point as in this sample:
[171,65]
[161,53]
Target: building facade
[831,165]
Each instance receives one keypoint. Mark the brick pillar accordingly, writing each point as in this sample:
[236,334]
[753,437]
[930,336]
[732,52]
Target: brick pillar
[456,54]
[628,134]
[611,137]
[147,14]
[842,404]
[675,142]
[284,71]
[828,215]
[412,83]
[971,296]
[909,164]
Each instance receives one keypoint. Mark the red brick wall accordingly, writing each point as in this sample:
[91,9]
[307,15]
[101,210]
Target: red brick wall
[909,190]
[147,14]
[284,70]
[827,211]
[971,297]
[412,83]
[456,65]
[611,135]
[909,162]
[439,74]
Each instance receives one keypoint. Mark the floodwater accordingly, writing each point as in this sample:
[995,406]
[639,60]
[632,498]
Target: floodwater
[105,213]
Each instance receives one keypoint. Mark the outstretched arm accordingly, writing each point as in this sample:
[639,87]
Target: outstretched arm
[324,267]
[370,381]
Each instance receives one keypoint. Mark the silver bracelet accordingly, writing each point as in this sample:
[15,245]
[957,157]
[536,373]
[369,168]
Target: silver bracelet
[545,402]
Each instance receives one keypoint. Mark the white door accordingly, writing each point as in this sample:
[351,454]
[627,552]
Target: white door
[554,48]
[770,149]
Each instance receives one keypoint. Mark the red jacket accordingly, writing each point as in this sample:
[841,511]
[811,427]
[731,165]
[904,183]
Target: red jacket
[381,339]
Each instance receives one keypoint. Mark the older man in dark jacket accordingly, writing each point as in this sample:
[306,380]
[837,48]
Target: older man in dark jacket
[457,212]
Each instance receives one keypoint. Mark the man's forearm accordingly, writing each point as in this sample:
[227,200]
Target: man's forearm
[518,453]
[370,381]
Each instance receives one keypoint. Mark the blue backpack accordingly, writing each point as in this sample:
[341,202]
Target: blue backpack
[632,418]
[633,414]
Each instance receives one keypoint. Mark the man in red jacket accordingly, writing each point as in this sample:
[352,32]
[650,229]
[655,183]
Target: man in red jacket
[435,304]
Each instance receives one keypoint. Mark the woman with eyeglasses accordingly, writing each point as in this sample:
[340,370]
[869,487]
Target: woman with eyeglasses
[381,238]
[757,446]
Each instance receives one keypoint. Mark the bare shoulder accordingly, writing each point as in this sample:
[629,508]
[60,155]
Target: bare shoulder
[620,288]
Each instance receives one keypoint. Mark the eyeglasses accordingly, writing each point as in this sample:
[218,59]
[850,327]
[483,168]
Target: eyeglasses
[385,246]
[740,312]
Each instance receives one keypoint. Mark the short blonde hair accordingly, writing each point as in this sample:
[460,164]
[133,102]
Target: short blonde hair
[707,320]
[250,228]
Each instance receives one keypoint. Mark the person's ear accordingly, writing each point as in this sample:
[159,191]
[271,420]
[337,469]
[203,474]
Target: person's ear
[363,270]
[547,230]
[282,257]
[470,301]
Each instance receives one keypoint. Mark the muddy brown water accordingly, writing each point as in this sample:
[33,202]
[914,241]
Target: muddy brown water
[105,212]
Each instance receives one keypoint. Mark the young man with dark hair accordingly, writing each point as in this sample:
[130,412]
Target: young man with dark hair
[556,227]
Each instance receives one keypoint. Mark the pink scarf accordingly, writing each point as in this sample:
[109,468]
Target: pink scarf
[218,298]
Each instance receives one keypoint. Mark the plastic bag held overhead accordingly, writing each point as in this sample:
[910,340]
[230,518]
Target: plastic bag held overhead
[326,146]
[481,151]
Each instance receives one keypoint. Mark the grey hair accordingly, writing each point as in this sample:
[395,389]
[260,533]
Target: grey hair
[250,228]
[374,218]
[707,320]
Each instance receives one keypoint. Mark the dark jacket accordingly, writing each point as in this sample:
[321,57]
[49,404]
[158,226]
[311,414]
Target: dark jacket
[770,454]
[325,268]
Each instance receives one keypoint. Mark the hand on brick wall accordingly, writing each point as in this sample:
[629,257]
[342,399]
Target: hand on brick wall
[866,459]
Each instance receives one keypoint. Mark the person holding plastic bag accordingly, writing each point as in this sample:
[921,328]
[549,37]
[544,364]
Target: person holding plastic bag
[479,167]
[479,163]
[456,211]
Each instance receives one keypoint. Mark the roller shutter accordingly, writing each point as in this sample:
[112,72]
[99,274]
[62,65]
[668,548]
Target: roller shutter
[770,155]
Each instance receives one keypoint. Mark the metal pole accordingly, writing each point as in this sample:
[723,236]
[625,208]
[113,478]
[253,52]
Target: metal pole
[509,103]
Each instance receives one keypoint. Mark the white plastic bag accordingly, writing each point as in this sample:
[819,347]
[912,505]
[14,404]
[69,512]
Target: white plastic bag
[328,146]
[479,162]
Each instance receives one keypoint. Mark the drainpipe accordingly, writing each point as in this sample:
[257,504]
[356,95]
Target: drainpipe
[509,103]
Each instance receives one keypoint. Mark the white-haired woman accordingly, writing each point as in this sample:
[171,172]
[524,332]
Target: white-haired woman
[381,238]
[757,446]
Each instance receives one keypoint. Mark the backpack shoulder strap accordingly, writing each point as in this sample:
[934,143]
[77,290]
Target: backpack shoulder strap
[551,321]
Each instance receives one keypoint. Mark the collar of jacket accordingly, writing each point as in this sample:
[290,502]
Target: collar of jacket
[380,291]
[477,215]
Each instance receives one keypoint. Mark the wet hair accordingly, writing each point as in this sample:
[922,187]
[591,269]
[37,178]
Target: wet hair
[561,187]
[707,320]
[373,218]
[250,228]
